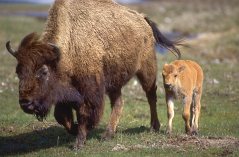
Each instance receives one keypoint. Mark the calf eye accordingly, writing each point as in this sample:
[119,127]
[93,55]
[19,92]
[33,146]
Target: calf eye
[175,75]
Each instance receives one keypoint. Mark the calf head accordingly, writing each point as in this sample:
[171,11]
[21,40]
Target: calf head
[36,70]
[171,74]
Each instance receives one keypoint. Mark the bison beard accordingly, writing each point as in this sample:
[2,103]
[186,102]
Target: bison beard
[41,110]
[60,94]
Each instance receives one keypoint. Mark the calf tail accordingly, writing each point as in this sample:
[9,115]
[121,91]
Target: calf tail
[162,40]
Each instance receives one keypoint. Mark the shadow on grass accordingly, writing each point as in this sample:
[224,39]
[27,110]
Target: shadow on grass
[33,141]
[53,136]
[141,129]
[136,130]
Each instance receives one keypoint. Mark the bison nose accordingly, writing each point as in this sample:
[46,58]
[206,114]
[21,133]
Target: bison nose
[26,105]
[167,85]
[24,102]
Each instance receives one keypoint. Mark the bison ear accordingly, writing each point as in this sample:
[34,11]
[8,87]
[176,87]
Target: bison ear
[181,68]
[56,51]
[29,39]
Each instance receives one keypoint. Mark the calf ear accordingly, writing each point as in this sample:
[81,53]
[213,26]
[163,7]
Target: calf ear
[181,68]
[163,73]
[165,65]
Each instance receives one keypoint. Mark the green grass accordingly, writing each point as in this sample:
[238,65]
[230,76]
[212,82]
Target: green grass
[23,135]
[22,7]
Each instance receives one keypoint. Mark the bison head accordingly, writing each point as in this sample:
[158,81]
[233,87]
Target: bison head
[36,70]
[171,75]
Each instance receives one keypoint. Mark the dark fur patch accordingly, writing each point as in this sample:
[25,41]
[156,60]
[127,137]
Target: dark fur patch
[162,40]
[31,56]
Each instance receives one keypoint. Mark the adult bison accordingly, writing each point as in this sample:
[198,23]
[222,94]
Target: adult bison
[88,48]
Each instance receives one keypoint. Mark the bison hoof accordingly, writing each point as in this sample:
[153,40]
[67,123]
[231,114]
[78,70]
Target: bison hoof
[77,147]
[107,136]
[80,141]
[155,126]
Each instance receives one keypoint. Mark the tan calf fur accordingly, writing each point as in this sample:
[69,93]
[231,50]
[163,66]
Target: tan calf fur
[183,78]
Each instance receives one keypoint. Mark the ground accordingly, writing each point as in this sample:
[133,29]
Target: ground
[210,28]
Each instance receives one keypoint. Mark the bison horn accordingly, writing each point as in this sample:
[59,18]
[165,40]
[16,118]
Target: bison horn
[53,45]
[10,50]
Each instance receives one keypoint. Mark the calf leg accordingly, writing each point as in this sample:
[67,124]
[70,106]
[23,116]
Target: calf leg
[197,112]
[192,110]
[64,116]
[117,107]
[170,112]
[186,113]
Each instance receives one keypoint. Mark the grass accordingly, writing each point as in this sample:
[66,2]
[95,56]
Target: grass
[23,7]
[23,135]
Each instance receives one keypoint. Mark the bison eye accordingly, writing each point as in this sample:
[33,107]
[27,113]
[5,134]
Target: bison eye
[175,75]
[43,72]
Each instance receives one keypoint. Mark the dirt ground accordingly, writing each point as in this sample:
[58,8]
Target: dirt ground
[183,142]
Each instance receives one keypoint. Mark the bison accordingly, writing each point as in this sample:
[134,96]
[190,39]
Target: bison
[88,48]
[184,78]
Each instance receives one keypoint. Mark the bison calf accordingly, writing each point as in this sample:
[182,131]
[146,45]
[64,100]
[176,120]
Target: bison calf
[184,78]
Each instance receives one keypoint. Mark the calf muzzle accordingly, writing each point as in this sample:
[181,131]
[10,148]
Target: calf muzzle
[167,86]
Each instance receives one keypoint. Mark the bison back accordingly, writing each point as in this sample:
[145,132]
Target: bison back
[101,36]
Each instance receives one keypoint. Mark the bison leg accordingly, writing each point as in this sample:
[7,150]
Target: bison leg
[186,113]
[88,116]
[152,100]
[117,107]
[147,80]
[170,112]
[82,130]
[64,116]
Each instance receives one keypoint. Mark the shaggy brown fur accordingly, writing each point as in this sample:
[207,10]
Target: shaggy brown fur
[100,47]
[184,78]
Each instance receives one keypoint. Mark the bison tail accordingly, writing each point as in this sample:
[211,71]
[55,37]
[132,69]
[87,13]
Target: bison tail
[162,40]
